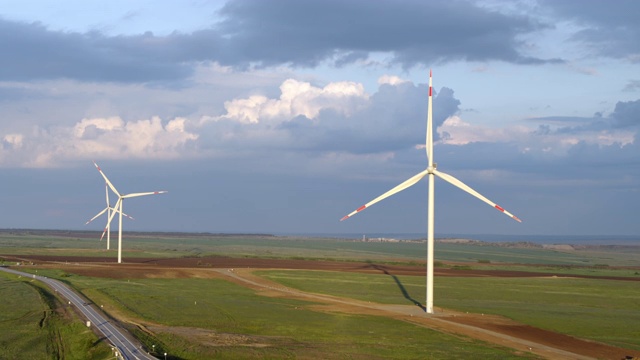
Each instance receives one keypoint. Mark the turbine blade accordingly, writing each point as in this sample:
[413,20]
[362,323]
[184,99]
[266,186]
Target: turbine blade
[106,191]
[95,217]
[130,217]
[143,194]
[113,213]
[429,140]
[453,181]
[411,181]
[106,180]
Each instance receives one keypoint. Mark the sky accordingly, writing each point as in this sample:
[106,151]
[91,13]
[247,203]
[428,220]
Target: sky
[283,116]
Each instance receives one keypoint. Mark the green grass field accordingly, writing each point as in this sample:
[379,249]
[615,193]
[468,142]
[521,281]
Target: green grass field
[31,328]
[601,310]
[170,245]
[262,327]
[272,328]
[21,311]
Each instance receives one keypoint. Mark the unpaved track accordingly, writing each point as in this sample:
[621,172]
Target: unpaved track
[482,327]
[493,329]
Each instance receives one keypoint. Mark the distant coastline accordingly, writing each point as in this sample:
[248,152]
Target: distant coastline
[538,239]
[491,238]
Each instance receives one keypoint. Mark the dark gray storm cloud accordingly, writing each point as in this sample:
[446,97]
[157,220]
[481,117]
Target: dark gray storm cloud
[627,113]
[305,33]
[31,51]
[610,29]
[271,33]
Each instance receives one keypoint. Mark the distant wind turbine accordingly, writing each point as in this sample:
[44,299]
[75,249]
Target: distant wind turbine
[431,171]
[108,210]
[118,207]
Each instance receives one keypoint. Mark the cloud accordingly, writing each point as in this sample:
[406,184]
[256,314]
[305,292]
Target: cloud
[632,85]
[609,31]
[454,131]
[317,121]
[554,136]
[391,80]
[115,138]
[12,141]
[308,33]
[32,52]
[328,129]
[558,152]
[297,99]
[103,138]
[385,126]
[259,34]
[627,114]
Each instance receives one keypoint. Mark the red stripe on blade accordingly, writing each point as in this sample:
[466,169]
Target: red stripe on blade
[361,208]
[429,90]
[499,208]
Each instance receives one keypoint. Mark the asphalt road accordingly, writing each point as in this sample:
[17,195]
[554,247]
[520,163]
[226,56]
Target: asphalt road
[127,347]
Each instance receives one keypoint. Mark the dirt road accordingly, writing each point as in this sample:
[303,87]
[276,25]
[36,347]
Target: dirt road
[493,329]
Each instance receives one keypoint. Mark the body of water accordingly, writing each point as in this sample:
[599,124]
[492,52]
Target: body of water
[538,239]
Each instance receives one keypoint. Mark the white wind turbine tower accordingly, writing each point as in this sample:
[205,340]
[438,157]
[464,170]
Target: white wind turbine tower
[108,210]
[118,207]
[431,171]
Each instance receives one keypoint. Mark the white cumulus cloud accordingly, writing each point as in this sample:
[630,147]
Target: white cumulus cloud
[91,127]
[297,98]
[142,138]
[13,140]
[455,131]
[391,80]
[110,137]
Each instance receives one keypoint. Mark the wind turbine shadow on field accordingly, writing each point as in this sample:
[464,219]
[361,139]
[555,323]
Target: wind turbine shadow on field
[404,291]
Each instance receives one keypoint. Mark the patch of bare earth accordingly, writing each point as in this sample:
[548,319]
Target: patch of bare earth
[214,338]
[492,329]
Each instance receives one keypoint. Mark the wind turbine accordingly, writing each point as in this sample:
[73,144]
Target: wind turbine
[108,210]
[431,172]
[118,207]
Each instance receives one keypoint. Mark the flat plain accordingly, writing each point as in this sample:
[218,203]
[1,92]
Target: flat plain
[200,296]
